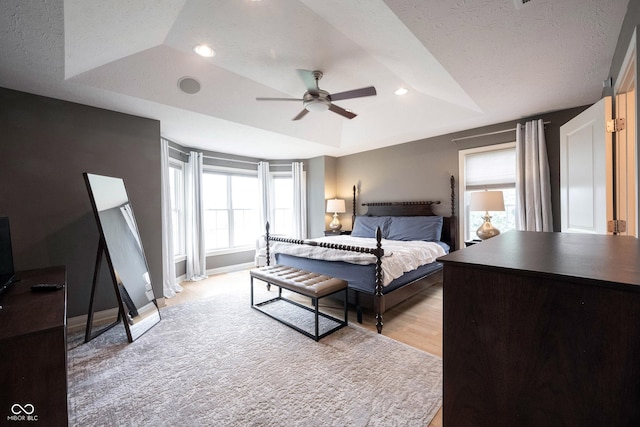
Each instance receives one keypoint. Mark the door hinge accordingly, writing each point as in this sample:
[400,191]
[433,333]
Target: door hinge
[616,125]
[616,226]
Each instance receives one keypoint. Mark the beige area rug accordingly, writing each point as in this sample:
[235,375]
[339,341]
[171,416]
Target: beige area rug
[218,362]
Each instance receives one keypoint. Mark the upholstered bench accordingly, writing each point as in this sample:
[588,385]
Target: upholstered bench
[312,285]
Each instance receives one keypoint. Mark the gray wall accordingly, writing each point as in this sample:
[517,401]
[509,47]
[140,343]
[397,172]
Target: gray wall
[46,146]
[420,170]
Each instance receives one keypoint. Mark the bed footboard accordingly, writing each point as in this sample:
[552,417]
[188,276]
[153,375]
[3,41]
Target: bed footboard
[378,252]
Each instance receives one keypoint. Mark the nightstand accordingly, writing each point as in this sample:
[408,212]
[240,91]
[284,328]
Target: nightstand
[337,232]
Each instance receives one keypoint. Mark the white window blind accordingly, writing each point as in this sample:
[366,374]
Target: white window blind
[490,169]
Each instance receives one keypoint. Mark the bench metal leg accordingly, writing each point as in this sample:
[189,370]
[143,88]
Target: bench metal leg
[315,310]
[251,291]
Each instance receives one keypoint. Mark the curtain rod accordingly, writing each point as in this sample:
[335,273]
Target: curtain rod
[228,160]
[488,133]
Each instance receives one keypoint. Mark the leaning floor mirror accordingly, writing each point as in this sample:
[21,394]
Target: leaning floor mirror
[122,247]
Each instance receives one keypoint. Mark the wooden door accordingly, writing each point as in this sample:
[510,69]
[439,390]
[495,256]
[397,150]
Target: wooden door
[586,175]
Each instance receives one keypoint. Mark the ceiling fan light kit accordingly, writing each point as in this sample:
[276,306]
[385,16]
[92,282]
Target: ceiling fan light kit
[317,100]
[320,102]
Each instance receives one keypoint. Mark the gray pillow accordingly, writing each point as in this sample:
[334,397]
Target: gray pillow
[427,228]
[365,226]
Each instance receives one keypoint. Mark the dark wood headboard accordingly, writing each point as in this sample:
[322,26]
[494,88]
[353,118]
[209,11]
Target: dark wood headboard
[420,208]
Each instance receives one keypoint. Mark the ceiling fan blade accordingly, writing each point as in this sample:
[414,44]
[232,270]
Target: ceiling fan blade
[279,99]
[301,114]
[342,111]
[356,93]
[308,79]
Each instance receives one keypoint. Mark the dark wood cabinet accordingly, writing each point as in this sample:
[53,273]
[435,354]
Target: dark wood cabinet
[542,329]
[33,351]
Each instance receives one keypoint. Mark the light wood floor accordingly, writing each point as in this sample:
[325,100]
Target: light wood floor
[416,322]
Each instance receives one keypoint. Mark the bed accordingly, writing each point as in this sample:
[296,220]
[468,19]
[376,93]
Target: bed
[389,257]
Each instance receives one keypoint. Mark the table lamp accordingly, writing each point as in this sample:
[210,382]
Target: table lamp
[487,201]
[336,206]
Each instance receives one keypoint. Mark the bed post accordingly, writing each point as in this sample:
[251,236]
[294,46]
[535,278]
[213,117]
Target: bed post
[353,214]
[378,300]
[453,222]
[453,197]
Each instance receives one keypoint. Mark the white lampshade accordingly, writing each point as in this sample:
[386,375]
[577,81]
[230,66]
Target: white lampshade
[487,201]
[336,206]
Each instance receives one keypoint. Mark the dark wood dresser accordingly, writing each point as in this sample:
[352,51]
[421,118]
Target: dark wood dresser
[542,329]
[33,351]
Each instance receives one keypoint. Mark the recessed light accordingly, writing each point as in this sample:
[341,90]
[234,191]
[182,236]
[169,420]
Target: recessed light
[204,50]
[401,91]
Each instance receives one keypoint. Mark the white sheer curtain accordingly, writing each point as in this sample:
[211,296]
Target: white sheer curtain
[194,213]
[264,181]
[533,187]
[299,201]
[169,284]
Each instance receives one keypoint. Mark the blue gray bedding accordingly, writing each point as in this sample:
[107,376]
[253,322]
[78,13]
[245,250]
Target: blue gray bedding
[360,277]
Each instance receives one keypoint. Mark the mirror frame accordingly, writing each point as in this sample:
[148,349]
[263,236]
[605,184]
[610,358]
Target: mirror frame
[104,247]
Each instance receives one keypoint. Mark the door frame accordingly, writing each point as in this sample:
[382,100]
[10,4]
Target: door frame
[626,141]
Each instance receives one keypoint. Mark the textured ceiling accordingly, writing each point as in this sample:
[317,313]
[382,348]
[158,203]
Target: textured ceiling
[466,63]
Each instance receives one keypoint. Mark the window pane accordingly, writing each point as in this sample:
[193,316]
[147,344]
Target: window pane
[283,192]
[176,189]
[216,229]
[245,204]
[282,214]
[245,226]
[175,223]
[216,214]
[283,221]
[214,191]
[244,192]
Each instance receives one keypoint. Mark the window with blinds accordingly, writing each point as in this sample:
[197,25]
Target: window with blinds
[488,168]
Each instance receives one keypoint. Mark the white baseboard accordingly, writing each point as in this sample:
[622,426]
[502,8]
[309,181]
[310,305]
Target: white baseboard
[230,268]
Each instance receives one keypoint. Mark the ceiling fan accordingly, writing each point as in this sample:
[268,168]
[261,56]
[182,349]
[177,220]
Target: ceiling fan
[316,99]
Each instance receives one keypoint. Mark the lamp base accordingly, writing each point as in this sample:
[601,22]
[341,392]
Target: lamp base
[487,230]
[335,223]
